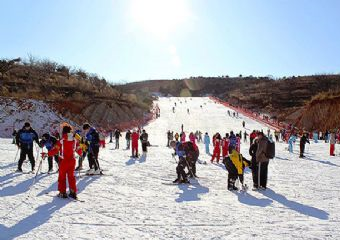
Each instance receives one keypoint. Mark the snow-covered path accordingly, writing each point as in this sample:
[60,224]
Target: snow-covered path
[132,202]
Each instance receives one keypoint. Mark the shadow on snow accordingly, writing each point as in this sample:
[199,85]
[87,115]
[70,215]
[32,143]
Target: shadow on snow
[190,192]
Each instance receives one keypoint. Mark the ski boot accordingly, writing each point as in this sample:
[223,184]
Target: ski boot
[62,195]
[73,195]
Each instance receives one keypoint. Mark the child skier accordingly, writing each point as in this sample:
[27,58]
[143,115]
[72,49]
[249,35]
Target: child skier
[235,164]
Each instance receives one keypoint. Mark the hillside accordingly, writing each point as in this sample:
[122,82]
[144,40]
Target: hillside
[283,98]
[73,93]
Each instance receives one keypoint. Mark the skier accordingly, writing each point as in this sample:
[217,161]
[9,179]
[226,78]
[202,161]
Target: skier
[188,156]
[176,137]
[254,165]
[173,109]
[84,148]
[49,141]
[238,143]
[117,135]
[225,146]
[332,142]
[315,136]
[277,135]
[101,139]
[188,111]
[207,143]
[192,138]
[134,143]
[24,140]
[182,136]
[252,136]
[232,141]
[66,147]
[217,148]
[291,141]
[92,139]
[111,135]
[144,139]
[244,124]
[262,160]
[327,136]
[14,134]
[128,138]
[303,141]
[235,164]
[199,136]
[245,135]
[169,138]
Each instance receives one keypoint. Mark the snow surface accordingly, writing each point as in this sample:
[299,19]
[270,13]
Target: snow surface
[132,202]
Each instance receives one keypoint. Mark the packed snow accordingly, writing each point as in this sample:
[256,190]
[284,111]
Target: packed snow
[131,200]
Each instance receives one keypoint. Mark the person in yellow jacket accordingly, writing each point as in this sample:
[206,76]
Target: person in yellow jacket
[235,164]
[83,146]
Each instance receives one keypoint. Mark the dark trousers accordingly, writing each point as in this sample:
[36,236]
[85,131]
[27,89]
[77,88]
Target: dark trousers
[50,161]
[117,143]
[254,171]
[144,146]
[302,149]
[263,174]
[29,152]
[93,157]
[180,169]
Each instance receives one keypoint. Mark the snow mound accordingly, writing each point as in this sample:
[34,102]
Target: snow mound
[14,113]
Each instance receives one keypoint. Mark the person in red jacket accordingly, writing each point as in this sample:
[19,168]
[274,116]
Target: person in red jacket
[217,148]
[225,146]
[134,143]
[66,147]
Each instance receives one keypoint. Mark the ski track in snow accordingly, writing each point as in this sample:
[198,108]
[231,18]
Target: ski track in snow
[302,201]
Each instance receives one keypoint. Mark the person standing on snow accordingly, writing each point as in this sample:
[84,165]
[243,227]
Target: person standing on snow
[262,160]
[67,162]
[49,141]
[128,139]
[303,141]
[182,136]
[291,141]
[176,136]
[117,135]
[252,137]
[245,135]
[315,136]
[92,140]
[217,149]
[192,138]
[24,140]
[225,146]
[144,139]
[232,141]
[206,143]
[134,143]
[332,142]
[169,138]
[238,143]
[254,165]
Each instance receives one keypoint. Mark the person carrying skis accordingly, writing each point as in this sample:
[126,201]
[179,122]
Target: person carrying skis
[144,140]
[24,140]
[303,141]
[217,148]
[235,164]
[206,141]
[128,139]
[188,156]
[48,142]
[92,140]
[134,143]
[66,147]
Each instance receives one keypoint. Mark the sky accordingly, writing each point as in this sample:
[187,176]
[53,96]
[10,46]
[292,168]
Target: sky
[133,40]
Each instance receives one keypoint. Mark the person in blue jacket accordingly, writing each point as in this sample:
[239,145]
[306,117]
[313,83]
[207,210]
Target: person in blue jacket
[49,141]
[24,140]
[206,141]
[92,140]
[315,136]
[291,141]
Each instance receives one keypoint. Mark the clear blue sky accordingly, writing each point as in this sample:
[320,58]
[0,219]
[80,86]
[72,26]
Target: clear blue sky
[131,40]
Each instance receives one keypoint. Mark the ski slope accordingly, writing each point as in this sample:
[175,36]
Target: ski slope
[131,201]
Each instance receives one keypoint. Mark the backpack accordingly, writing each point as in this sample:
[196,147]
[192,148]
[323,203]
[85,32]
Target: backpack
[270,151]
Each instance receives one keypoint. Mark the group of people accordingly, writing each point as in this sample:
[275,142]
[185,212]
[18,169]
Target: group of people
[62,148]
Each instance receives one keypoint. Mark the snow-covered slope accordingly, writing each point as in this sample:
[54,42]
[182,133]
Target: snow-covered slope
[132,202]
[13,114]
